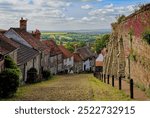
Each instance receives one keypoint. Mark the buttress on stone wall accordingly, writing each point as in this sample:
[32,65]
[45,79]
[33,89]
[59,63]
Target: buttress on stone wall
[126,47]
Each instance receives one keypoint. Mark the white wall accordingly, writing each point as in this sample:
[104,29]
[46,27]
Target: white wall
[100,57]
[68,61]
[53,64]
[87,63]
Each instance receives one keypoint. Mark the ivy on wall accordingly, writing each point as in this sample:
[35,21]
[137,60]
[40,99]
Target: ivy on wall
[146,36]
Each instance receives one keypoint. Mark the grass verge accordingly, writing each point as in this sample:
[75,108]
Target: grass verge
[102,91]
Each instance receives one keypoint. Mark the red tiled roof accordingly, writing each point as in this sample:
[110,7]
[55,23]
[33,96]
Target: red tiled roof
[77,57]
[31,39]
[53,47]
[66,52]
[7,45]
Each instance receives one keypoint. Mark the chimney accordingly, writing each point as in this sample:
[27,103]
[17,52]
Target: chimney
[37,34]
[23,24]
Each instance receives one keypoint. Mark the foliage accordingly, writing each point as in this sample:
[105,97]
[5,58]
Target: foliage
[32,75]
[121,18]
[70,39]
[9,82]
[9,63]
[70,46]
[140,86]
[146,37]
[101,42]
[70,36]
[81,44]
[46,74]
[107,92]
[9,78]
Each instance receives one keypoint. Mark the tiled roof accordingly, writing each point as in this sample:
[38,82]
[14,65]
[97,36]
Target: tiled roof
[85,52]
[77,57]
[8,40]
[25,54]
[30,39]
[53,47]
[66,52]
[6,45]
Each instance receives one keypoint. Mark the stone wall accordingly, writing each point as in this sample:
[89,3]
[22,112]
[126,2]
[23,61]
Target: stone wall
[126,47]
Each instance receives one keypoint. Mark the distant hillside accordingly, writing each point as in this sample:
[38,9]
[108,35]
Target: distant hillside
[95,31]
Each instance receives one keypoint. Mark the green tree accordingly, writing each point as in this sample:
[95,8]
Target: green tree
[81,44]
[70,46]
[101,42]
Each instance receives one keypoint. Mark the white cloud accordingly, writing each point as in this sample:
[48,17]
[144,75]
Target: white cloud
[61,14]
[88,19]
[109,6]
[70,18]
[86,6]
[95,12]
[112,10]
[130,7]
[102,19]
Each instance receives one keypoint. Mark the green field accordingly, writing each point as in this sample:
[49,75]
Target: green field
[70,36]
[70,39]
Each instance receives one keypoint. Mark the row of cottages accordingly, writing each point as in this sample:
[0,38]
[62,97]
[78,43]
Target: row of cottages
[55,57]
[32,53]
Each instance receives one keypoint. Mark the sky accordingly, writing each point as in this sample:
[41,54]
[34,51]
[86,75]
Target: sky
[58,15]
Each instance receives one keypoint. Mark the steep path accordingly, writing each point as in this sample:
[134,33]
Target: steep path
[70,88]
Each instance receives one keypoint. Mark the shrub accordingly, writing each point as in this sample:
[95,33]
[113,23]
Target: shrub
[146,37]
[9,82]
[32,75]
[9,63]
[121,18]
[46,74]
